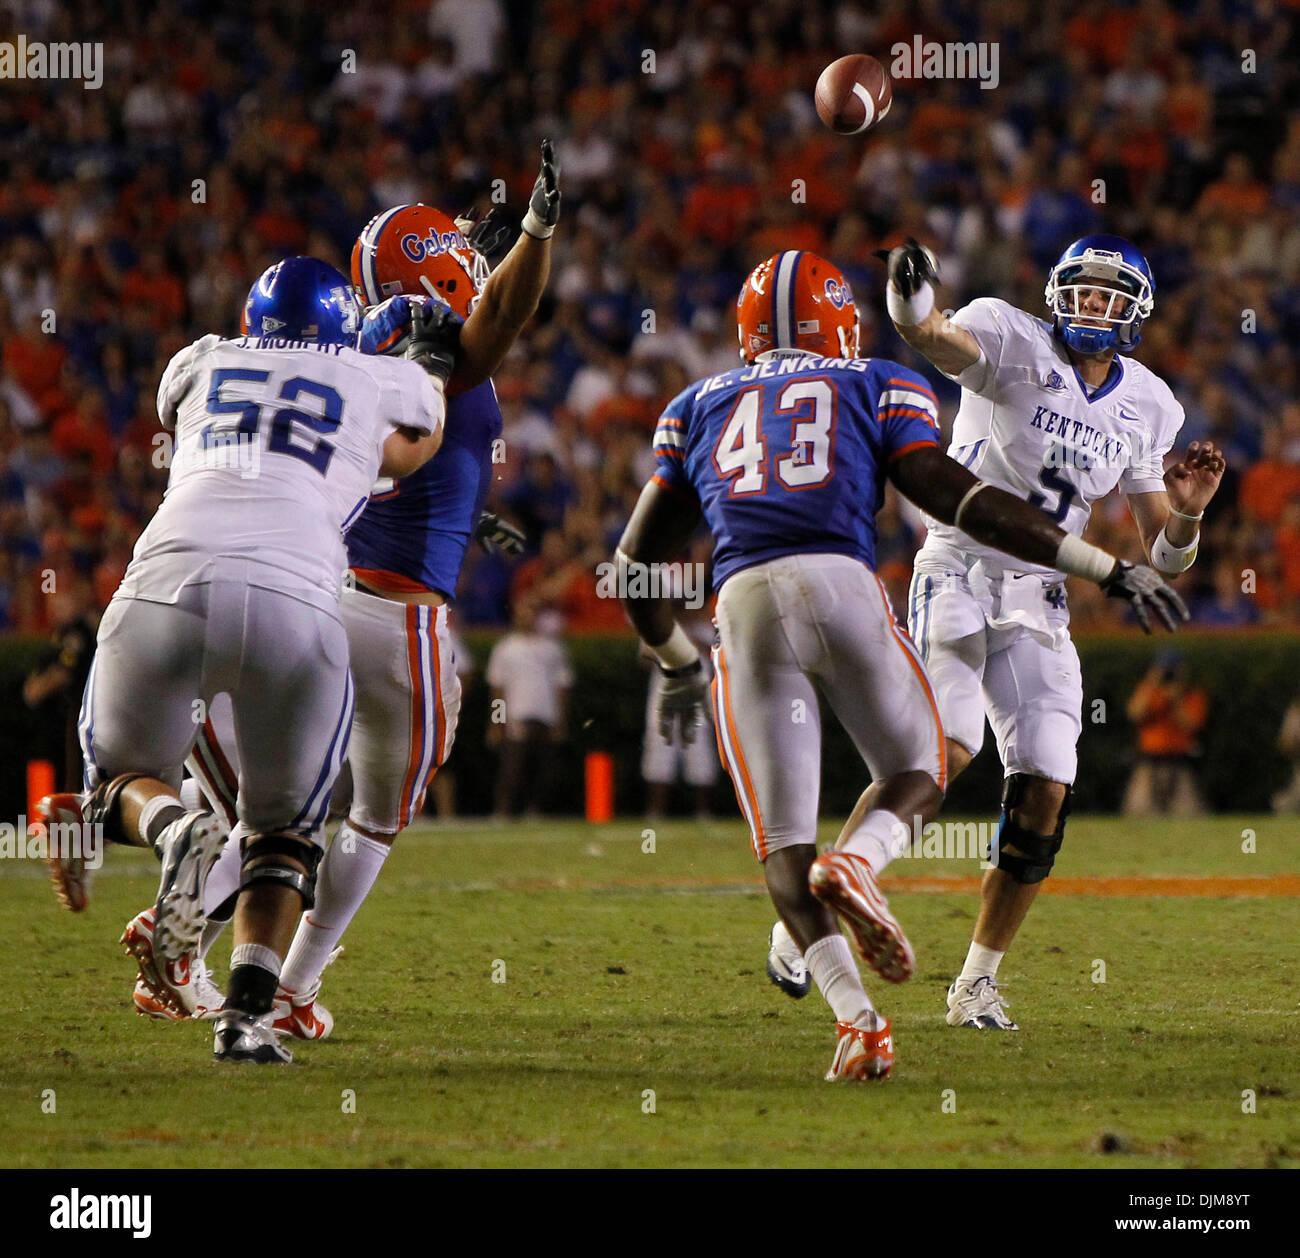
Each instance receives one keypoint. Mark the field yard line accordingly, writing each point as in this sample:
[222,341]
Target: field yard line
[1124,884]
[1190,885]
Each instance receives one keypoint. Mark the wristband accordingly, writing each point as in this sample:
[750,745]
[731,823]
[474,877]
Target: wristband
[534,226]
[1083,559]
[1183,516]
[677,652]
[909,310]
[961,506]
[1171,559]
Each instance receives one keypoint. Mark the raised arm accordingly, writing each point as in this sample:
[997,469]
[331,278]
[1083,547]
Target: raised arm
[510,297]
[909,296]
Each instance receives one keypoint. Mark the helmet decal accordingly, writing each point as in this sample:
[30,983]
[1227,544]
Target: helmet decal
[797,300]
[417,249]
[1111,267]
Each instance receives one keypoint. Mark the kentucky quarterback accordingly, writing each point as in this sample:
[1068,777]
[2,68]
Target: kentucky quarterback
[1055,412]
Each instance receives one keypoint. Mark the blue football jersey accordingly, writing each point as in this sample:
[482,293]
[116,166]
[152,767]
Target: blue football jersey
[418,530]
[789,453]
[414,536]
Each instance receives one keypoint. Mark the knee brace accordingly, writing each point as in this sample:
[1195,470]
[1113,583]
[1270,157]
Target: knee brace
[1037,852]
[278,870]
[102,807]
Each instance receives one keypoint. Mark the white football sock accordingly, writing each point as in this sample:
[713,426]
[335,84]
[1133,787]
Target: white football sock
[346,874]
[981,962]
[211,933]
[149,815]
[255,954]
[223,877]
[879,838]
[831,964]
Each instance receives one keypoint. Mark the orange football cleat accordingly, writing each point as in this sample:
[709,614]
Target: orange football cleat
[303,1017]
[847,884]
[168,989]
[862,1053]
[69,871]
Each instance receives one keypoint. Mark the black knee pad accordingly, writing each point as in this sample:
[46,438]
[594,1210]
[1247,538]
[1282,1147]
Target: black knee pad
[1037,852]
[101,807]
[278,870]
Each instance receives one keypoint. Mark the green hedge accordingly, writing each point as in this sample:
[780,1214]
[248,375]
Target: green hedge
[1250,678]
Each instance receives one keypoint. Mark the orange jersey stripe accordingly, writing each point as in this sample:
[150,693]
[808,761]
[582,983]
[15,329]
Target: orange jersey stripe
[910,446]
[390,582]
[905,645]
[760,839]
[441,752]
[916,388]
[417,704]
[228,774]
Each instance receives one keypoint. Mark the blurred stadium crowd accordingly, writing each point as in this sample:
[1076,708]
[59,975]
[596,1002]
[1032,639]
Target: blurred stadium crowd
[689,151]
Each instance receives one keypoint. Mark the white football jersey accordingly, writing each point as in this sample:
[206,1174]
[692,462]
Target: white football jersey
[1027,425]
[276,446]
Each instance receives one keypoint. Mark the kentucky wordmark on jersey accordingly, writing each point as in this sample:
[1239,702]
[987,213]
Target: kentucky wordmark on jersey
[1029,425]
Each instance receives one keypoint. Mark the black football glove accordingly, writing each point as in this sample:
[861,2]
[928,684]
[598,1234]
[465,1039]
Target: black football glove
[435,339]
[491,235]
[683,694]
[910,266]
[492,531]
[544,204]
[1147,590]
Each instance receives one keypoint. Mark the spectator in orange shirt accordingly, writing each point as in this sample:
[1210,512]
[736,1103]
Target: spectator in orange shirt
[84,430]
[1267,486]
[1236,194]
[1170,714]
[34,359]
[151,286]
[719,205]
[1286,540]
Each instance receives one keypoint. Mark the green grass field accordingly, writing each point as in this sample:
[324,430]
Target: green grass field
[628,972]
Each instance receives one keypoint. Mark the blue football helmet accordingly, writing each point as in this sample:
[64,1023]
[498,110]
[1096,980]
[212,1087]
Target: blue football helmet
[1109,265]
[303,299]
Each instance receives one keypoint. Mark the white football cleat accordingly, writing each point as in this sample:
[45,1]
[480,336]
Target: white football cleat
[978,1003]
[208,997]
[785,963]
[168,989]
[240,1037]
[862,1052]
[190,847]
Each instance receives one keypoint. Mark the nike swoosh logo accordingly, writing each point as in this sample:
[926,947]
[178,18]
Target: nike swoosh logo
[1132,419]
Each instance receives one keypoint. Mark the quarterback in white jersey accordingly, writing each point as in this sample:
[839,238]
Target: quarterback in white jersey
[234,588]
[1051,413]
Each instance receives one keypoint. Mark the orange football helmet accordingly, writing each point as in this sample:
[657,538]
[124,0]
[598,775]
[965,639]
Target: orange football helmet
[416,249]
[796,300]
